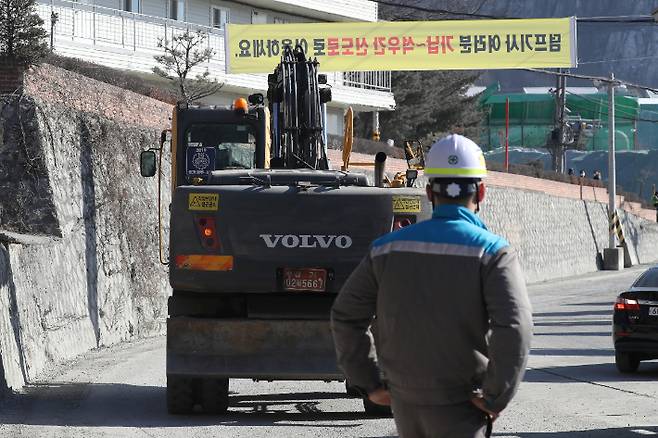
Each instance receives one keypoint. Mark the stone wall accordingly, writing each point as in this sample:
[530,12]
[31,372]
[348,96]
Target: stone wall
[92,277]
[555,237]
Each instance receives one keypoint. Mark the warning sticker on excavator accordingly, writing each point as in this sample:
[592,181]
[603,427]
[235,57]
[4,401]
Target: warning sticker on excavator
[406,204]
[203,202]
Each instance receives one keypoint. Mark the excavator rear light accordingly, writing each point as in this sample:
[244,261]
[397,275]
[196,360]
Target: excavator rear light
[207,232]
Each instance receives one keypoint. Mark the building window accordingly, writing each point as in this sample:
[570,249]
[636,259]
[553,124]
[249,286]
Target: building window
[220,17]
[258,17]
[177,9]
[131,5]
[279,20]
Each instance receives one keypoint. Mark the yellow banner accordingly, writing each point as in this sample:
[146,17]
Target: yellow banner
[407,45]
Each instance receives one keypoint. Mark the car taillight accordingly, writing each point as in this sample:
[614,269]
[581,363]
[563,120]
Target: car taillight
[402,220]
[207,232]
[626,304]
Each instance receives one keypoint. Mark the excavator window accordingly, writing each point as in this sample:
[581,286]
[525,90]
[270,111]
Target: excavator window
[220,146]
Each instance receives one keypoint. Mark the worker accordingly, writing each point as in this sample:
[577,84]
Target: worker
[448,306]
[654,199]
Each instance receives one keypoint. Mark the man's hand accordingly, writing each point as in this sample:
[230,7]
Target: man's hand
[481,405]
[380,396]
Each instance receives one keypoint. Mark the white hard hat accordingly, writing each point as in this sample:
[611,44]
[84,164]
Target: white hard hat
[455,156]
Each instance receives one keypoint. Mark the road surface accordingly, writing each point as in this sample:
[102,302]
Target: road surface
[571,389]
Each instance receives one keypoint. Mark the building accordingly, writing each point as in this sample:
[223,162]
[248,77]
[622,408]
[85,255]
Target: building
[531,119]
[124,34]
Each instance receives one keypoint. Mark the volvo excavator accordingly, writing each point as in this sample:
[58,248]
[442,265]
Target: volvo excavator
[263,234]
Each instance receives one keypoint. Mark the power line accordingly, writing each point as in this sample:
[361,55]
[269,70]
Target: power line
[439,11]
[618,19]
[592,78]
[479,7]
[607,108]
[615,60]
[621,19]
[604,101]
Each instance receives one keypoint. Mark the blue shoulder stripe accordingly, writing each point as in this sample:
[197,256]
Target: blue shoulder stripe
[449,233]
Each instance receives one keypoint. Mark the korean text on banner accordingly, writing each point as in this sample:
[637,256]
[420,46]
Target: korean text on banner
[407,45]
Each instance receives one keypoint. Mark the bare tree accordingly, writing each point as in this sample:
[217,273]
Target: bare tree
[22,36]
[182,54]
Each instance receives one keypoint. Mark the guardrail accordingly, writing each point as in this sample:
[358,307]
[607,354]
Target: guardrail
[97,25]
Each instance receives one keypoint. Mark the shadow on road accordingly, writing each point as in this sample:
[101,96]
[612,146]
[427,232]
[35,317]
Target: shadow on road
[572,352]
[594,303]
[121,405]
[599,373]
[603,322]
[620,432]
[562,334]
[576,313]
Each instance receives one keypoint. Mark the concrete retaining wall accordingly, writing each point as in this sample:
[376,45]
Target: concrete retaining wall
[83,272]
[78,225]
[561,237]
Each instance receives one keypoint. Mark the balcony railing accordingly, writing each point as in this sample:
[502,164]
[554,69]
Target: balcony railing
[128,30]
[372,80]
[119,30]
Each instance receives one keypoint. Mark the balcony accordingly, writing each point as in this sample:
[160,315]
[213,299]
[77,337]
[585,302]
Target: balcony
[127,40]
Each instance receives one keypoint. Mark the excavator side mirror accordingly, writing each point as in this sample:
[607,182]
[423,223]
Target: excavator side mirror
[147,164]
[325,95]
[256,99]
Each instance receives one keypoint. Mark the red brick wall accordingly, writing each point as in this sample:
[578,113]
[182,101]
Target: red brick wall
[11,76]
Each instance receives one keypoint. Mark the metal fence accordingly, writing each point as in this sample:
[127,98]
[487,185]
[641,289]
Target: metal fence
[372,80]
[96,25]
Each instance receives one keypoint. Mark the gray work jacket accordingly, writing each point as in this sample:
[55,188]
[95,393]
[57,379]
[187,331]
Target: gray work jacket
[450,314]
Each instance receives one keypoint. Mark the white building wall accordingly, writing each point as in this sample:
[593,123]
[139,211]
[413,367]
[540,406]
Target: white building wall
[335,121]
[239,14]
[154,8]
[112,4]
[130,41]
[198,12]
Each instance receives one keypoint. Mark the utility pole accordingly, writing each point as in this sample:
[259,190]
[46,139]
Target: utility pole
[613,257]
[558,131]
[563,103]
[612,175]
[375,126]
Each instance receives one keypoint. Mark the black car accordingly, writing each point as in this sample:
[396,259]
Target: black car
[635,323]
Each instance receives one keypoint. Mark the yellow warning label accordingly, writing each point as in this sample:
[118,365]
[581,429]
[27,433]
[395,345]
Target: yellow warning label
[203,202]
[406,204]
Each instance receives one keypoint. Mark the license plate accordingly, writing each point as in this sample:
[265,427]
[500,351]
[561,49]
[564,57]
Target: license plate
[653,311]
[306,279]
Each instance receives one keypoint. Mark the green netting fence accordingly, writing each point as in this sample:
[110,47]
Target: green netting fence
[531,121]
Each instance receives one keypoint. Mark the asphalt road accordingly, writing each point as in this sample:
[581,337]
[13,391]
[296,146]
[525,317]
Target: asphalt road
[571,389]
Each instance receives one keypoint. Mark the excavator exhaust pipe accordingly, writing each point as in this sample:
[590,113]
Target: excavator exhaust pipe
[380,169]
